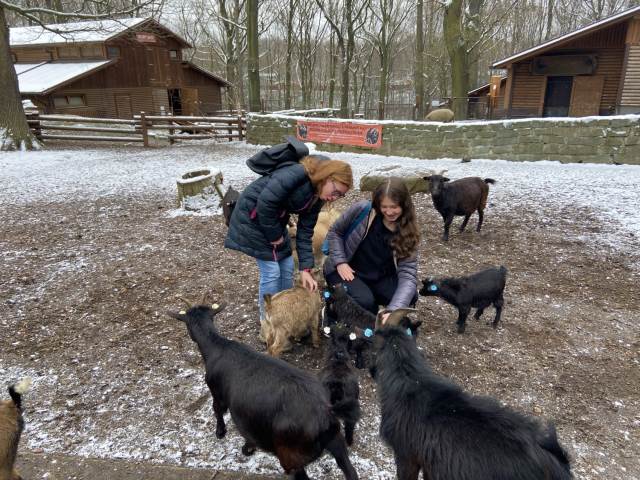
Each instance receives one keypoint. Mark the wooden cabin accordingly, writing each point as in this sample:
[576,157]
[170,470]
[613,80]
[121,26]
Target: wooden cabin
[114,68]
[592,71]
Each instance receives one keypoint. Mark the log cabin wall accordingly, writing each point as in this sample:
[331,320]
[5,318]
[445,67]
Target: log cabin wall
[608,45]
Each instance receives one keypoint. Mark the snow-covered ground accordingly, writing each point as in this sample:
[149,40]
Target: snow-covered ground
[610,192]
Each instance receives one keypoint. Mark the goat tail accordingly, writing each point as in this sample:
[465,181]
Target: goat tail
[16,391]
[489,180]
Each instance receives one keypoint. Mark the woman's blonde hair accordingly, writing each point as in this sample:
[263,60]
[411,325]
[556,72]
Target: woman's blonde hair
[406,238]
[320,170]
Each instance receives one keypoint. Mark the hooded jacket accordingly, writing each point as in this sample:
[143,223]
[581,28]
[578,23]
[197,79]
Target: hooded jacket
[342,250]
[262,213]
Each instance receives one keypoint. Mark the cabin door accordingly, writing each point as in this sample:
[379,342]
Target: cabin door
[557,97]
[586,95]
[123,106]
[175,101]
[190,105]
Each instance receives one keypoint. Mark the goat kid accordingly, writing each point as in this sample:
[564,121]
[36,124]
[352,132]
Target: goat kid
[341,382]
[359,320]
[458,198]
[275,406]
[435,427]
[478,291]
[229,201]
[11,427]
[292,313]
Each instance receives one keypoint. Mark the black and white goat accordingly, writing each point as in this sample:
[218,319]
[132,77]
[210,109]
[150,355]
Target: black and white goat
[341,381]
[475,291]
[11,427]
[275,406]
[461,197]
[436,428]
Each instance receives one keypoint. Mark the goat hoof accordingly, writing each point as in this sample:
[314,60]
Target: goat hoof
[221,432]
[248,449]
[461,328]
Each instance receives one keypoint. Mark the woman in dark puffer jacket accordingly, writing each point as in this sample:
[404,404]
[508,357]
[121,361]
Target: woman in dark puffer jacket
[258,225]
[374,247]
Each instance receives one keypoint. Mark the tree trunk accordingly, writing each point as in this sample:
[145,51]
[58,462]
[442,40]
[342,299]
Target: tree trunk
[472,36]
[419,65]
[384,75]
[547,35]
[332,69]
[253,64]
[287,73]
[458,56]
[14,130]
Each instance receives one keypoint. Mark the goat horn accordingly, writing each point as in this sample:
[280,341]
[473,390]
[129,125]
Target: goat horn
[394,316]
[188,302]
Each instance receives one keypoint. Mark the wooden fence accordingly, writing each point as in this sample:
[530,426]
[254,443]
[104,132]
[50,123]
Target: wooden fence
[139,129]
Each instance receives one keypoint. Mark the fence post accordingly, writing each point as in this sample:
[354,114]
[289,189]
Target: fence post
[240,127]
[34,124]
[143,127]
[230,130]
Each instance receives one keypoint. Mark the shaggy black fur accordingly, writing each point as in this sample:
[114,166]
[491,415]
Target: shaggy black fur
[478,291]
[275,406]
[433,426]
[461,197]
[346,310]
[341,381]
[229,203]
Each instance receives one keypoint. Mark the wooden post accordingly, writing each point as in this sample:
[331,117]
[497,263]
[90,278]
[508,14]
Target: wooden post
[143,127]
[240,127]
[230,131]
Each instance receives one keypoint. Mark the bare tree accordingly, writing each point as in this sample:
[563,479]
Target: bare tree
[253,54]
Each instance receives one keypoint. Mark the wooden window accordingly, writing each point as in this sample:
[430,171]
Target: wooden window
[68,52]
[91,51]
[173,55]
[69,101]
[113,52]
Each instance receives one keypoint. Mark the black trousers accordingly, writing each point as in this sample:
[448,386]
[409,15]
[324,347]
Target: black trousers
[370,294]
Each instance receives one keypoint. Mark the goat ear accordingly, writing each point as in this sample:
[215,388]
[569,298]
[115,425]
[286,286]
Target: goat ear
[182,315]
[267,298]
[445,179]
[427,178]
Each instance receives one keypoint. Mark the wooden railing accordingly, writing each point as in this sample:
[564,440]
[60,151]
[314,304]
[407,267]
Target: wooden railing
[139,129]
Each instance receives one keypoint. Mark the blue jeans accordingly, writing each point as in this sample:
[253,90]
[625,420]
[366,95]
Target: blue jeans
[274,277]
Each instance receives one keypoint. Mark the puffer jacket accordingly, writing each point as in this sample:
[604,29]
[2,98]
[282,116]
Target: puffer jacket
[343,249]
[262,213]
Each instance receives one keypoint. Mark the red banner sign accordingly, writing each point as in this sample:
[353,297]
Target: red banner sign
[343,133]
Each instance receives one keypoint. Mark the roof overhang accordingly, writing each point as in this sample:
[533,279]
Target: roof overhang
[559,41]
[206,73]
[43,78]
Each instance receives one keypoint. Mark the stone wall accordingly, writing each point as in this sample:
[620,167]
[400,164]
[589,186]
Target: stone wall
[591,139]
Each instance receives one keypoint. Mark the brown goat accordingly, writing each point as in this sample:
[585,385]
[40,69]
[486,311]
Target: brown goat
[11,426]
[326,218]
[290,314]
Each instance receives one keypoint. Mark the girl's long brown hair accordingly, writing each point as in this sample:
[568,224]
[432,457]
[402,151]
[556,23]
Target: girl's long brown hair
[321,169]
[407,236]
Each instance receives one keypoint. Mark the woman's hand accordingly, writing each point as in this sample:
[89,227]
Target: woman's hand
[345,272]
[278,242]
[308,282]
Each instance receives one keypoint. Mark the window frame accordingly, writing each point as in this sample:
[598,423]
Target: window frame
[66,97]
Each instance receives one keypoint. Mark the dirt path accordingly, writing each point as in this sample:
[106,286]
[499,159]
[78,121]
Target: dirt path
[85,284]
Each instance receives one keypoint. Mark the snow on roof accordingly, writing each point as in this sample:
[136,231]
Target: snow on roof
[38,79]
[93,31]
[576,33]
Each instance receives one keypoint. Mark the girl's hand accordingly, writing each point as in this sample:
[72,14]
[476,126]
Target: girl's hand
[308,281]
[345,272]
[278,242]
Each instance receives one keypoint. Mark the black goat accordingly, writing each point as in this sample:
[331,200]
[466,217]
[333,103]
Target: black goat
[275,406]
[11,427]
[341,381]
[229,201]
[433,426]
[461,197]
[478,291]
[346,310]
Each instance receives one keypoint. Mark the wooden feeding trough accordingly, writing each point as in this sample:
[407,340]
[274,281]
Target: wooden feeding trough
[194,183]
